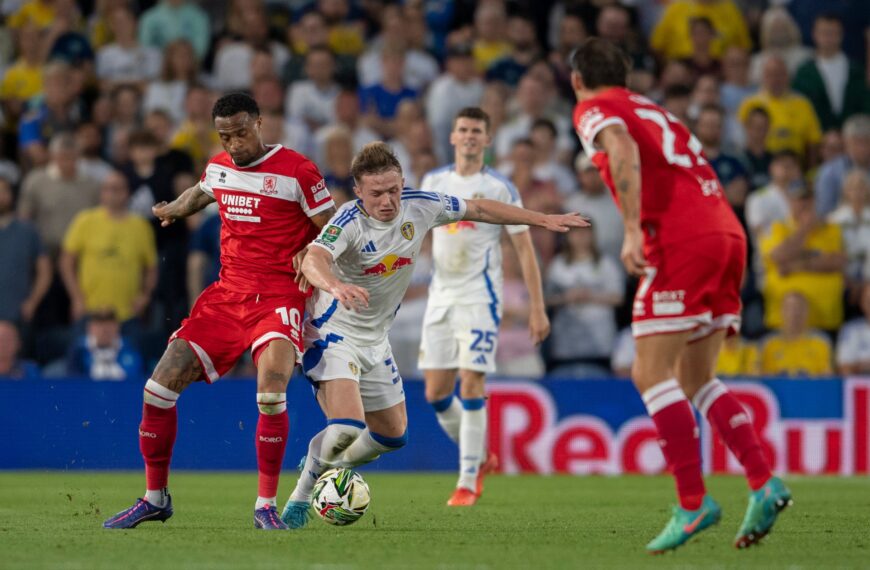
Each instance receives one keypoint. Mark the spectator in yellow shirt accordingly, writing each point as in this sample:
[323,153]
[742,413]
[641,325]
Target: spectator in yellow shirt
[109,257]
[490,43]
[671,37]
[793,121]
[738,358]
[40,13]
[797,350]
[23,80]
[804,255]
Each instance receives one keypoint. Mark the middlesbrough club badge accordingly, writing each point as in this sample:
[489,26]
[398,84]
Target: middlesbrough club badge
[270,185]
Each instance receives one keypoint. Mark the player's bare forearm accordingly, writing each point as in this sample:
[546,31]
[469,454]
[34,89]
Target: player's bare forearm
[321,218]
[190,202]
[624,159]
[317,267]
[495,212]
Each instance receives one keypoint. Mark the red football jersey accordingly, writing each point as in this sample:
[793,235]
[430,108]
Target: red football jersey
[265,209]
[680,193]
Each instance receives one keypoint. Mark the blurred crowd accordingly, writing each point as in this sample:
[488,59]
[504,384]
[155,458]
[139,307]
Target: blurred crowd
[106,110]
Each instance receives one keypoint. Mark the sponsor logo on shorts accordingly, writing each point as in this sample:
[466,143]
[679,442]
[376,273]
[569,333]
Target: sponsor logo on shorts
[265,439]
[388,265]
[148,434]
[408,231]
[668,303]
[354,369]
[270,185]
[331,233]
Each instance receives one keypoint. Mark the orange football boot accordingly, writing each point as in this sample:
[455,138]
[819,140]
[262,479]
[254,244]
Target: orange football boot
[462,497]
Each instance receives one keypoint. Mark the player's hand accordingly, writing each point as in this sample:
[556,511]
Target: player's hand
[351,297]
[163,212]
[632,253]
[539,326]
[300,278]
[563,222]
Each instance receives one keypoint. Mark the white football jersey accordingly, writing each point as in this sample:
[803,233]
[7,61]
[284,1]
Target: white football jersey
[468,254]
[379,257]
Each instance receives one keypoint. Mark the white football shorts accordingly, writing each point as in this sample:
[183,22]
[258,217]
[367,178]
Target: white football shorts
[330,357]
[460,336]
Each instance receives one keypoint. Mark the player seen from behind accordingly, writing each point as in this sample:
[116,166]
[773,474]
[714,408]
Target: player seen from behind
[361,265]
[685,242]
[463,313]
[272,202]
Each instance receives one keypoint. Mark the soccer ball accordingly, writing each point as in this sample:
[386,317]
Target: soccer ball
[341,496]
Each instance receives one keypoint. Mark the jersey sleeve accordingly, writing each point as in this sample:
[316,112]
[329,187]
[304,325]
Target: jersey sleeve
[204,184]
[591,120]
[447,209]
[338,234]
[314,197]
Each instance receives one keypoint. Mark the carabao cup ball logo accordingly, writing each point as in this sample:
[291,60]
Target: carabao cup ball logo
[340,497]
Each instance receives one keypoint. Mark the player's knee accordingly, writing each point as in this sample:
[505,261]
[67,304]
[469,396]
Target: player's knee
[272,403]
[391,443]
[178,367]
[473,387]
[340,434]
[437,391]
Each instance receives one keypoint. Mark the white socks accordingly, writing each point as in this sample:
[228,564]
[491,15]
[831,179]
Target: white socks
[472,442]
[369,446]
[158,497]
[449,414]
[324,450]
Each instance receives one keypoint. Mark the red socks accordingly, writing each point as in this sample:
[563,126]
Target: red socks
[733,425]
[156,438]
[678,437]
[271,441]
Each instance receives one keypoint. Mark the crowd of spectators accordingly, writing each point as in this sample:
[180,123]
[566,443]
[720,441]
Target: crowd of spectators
[106,111]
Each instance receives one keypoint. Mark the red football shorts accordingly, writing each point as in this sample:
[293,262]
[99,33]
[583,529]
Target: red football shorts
[691,286]
[223,324]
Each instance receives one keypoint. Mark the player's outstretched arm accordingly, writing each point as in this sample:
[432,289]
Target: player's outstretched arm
[624,159]
[317,267]
[190,202]
[495,212]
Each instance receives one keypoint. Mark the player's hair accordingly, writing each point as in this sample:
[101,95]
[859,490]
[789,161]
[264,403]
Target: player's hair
[233,103]
[600,64]
[374,158]
[475,113]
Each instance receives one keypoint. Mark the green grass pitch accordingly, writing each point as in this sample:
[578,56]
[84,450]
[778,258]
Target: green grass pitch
[52,520]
